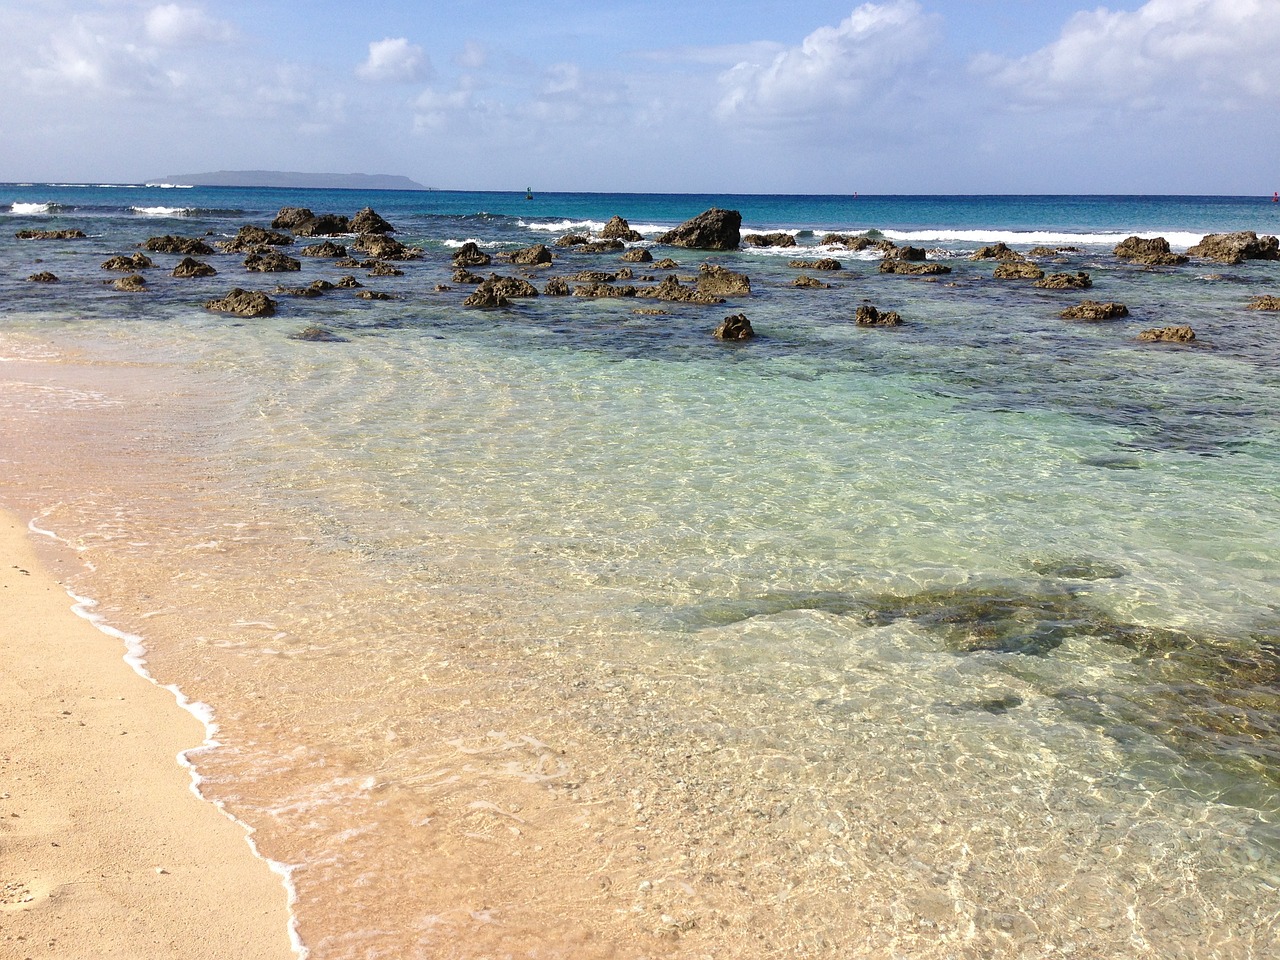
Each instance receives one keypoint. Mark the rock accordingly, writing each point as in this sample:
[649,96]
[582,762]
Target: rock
[248,238]
[1039,252]
[536,255]
[737,327]
[912,267]
[556,287]
[290,217]
[244,303]
[810,282]
[1264,303]
[470,255]
[467,277]
[603,246]
[670,289]
[382,247]
[510,287]
[1018,270]
[367,221]
[1236,247]
[779,239]
[1152,251]
[299,291]
[325,225]
[191,267]
[324,286]
[618,229]
[188,246]
[869,316]
[348,283]
[717,281]
[914,254]
[996,251]
[317,334]
[602,290]
[134,283]
[50,235]
[271,263]
[827,263]
[638,255]
[714,229]
[858,243]
[381,269]
[139,261]
[666,263]
[486,296]
[593,276]
[1065,281]
[572,240]
[326,249]
[1168,335]
[1094,311]
[44,276]
[374,295]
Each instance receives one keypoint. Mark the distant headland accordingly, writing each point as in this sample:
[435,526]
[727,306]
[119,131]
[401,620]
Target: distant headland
[280,178]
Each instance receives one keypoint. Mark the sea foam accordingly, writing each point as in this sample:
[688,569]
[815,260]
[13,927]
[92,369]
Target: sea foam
[162,211]
[31,209]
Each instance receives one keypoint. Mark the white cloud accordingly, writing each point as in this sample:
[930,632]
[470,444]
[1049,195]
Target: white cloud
[174,24]
[833,66]
[395,59]
[1165,50]
[472,57]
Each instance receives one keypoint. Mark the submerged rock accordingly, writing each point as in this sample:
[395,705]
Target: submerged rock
[1018,270]
[1264,303]
[243,303]
[189,246]
[1065,281]
[317,334]
[1093,311]
[713,229]
[736,327]
[869,316]
[1178,334]
[44,276]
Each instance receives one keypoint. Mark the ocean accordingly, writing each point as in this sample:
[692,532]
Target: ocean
[565,629]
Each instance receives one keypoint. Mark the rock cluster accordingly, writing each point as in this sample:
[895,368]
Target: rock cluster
[769,240]
[1236,248]
[50,235]
[714,229]
[1152,251]
[188,246]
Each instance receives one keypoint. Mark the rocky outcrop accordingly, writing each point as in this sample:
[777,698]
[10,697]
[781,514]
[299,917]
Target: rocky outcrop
[1066,281]
[912,267]
[671,289]
[44,276]
[996,251]
[465,276]
[1095,312]
[368,221]
[134,283]
[1236,247]
[858,243]
[713,229]
[572,240]
[325,225]
[382,247]
[139,261]
[868,316]
[536,255]
[1264,303]
[666,263]
[638,255]
[243,303]
[187,246]
[510,287]
[1151,251]
[381,269]
[618,229]
[1018,270]
[327,249]
[913,254]
[249,238]
[769,240]
[50,235]
[348,283]
[717,281]
[317,334]
[810,283]
[736,327]
[304,292]
[470,255]
[191,267]
[602,290]
[270,263]
[1181,334]
[556,287]
[374,295]
[290,217]
[486,296]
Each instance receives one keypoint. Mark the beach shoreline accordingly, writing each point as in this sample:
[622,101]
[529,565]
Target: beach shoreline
[107,849]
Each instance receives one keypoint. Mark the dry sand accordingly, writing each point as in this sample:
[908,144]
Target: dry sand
[105,850]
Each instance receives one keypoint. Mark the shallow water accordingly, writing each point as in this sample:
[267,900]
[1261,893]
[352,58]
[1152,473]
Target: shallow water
[569,631]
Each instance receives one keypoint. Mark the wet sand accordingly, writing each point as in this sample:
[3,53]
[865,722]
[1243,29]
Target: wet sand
[105,850]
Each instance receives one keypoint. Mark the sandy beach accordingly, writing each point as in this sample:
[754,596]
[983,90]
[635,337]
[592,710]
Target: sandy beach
[105,850]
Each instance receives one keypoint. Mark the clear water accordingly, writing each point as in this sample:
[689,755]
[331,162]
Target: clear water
[567,630]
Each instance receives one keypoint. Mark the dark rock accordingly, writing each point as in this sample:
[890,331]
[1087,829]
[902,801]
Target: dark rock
[317,334]
[1065,281]
[374,295]
[604,246]
[638,255]
[290,217]
[618,229]
[714,229]
[858,243]
[717,281]
[244,303]
[779,239]
[996,251]
[44,276]
[510,288]
[737,327]
[869,316]
[1236,247]
[486,296]
[270,263]
[299,291]
[325,225]
[326,249]
[1018,270]
[537,254]
[190,267]
[367,221]
[139,261]
[572,240]
[248,238]
[823,263]
[1264,303]
[913,254]
[670,289]
[348,283]
[1093,311]
[134,283]
[912,267]
[666,263]
[50,235]
[556,287]
[188,246]
[593,276]
[323,286]
[1181,334]
[602,290]
[810,282]
[467,277]
[385,270]
[1152,251]
[470,255]
[382,247]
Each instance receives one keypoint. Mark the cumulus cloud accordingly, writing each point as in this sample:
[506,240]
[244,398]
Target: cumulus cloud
[833,66]
[395,60]
[176,24]
[1221,49]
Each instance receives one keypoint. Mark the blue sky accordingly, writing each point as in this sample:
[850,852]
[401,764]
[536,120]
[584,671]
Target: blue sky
[887,96]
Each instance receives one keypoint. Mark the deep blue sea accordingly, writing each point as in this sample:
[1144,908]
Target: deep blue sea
[566,629]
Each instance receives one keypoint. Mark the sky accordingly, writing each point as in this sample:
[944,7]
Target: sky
[736,96]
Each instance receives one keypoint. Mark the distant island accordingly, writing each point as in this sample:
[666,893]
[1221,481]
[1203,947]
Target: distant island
[281,178]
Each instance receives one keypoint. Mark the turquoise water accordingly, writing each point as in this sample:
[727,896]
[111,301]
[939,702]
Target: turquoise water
[985,606]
